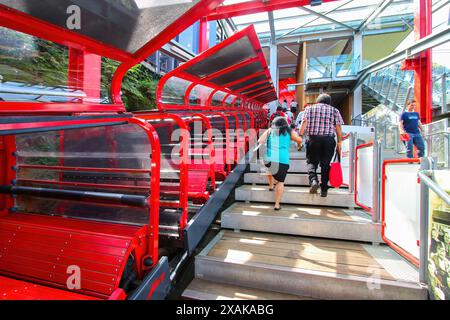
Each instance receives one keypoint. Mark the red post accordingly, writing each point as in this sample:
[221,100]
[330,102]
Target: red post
[422,69]
[84,74]
[203,41]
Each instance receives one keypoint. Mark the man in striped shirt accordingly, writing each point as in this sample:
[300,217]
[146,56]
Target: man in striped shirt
[321,122]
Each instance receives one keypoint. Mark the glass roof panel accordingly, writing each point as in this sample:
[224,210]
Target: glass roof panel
[350,12]
[234,53]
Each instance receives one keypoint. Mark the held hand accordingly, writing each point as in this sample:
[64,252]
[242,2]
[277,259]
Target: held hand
[339,147]
[300,144]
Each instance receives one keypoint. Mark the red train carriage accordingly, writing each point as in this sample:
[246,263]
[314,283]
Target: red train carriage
[80,178]
[113,197]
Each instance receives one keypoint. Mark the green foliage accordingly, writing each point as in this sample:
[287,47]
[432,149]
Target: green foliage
[138,87]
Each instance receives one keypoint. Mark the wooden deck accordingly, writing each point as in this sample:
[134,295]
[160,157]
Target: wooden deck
[331,256]
[208,290]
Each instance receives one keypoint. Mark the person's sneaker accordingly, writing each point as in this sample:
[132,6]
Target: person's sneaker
[314,187]
[323,193]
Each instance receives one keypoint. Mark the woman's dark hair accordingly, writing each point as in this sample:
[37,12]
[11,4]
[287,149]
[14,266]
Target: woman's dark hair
[280,126]
[324,98]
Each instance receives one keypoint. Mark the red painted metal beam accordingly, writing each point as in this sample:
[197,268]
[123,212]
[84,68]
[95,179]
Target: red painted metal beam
[256,6]
[422,71]
[84,73]
[203,35]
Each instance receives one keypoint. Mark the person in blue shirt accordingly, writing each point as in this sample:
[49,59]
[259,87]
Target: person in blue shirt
[278,137]
[410,124]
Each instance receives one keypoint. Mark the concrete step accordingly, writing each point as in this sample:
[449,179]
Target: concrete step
[209,290]
[295,166]
[306,267]
[293,179]
[320,222]
[295,195]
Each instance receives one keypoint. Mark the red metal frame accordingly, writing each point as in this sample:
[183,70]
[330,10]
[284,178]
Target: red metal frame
[184,145]
[227,138]
[393,245]
[201,9]
[84,73]
[422,64]
[203,36]
[22,22]
[149,233]
[423,68]
[211,151]
[344,138]
[361,146]
[237,142]
[179,73]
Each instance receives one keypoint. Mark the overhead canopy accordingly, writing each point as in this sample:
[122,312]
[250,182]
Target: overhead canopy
[113,28]
[234,70]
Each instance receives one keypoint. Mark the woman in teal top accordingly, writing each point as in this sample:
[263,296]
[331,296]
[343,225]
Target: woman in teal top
[278,137]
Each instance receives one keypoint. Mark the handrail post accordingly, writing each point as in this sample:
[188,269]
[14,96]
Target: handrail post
[376,180]
[352,161]
[386,100]
[397,94]
[444,93]
[426,164]
[380,92]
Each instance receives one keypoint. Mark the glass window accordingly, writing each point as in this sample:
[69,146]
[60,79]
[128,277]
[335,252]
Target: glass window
[218,98]
[174,91]
[199,95]
[229,101]
[36,70]
[107,159]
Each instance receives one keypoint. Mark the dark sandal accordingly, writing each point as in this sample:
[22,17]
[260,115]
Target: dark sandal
[277,209]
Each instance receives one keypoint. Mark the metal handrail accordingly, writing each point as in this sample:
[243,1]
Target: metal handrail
[41,92]
[424,176]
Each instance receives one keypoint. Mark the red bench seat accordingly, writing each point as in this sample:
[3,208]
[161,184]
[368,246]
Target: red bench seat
[40,249]
[13,289]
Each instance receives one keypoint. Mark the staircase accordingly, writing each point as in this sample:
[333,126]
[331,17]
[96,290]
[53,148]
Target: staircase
[393,87]
[314,248]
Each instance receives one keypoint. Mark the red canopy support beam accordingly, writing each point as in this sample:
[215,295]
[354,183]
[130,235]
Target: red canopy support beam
[84,73]
[256,6]
[203,41]
[422,63]
[422,74]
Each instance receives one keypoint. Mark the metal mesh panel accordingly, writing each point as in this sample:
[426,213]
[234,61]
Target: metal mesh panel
[237,74]
[232,54]
[259,86]
[126,24]
[258,92]
[248,82]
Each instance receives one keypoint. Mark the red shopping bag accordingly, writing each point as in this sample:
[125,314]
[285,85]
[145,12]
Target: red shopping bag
[335,175]
[404,137]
